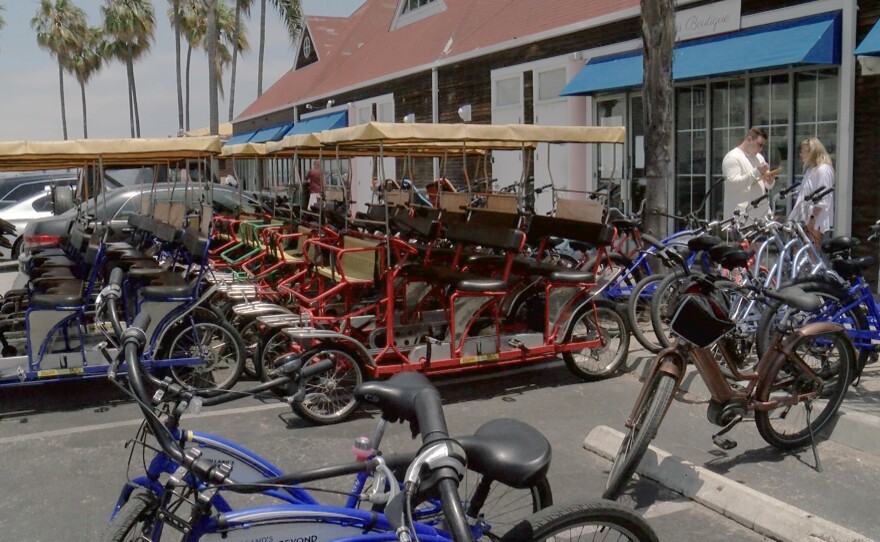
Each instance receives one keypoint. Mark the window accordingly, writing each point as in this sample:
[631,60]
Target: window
[507,92]
[728,126]
[611,112]
[43,204]
[411,5]
[130,207]
[691,148]
[550,84]
[816,111]
[24,191]
[411,11]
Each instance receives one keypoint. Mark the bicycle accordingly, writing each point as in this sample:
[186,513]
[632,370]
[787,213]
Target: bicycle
[186,502]
[800,372]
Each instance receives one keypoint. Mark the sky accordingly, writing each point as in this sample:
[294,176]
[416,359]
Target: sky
[30,102]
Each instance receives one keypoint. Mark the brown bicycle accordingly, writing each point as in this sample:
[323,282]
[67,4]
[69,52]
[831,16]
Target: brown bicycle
[793,391]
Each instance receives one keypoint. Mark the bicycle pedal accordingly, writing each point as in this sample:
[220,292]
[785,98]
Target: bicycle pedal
[723,443]
[516,343]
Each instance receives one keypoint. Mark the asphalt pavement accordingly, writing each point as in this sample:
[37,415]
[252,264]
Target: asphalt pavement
[65,460]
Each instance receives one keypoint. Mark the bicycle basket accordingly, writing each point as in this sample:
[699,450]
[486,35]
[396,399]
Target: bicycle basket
[700,321]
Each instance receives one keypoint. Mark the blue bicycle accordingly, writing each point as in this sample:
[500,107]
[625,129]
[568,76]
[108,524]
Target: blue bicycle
[426,506]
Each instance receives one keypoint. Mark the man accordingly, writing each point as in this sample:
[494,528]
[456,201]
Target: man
[746,175]
[313,183]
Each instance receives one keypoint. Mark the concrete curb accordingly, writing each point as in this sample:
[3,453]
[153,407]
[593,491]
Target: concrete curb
[756,511]
[849,427]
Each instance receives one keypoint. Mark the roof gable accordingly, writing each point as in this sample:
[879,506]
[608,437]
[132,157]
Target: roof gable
[363,48]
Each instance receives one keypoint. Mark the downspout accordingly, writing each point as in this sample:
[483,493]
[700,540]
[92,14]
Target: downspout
[435,111]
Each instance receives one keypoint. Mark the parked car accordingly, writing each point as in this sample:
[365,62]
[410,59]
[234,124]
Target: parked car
[19,214]
[18,188]
[116,205]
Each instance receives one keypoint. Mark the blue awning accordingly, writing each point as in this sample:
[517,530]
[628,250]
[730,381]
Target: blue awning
[242,137]
[871,44]
[271,133]
[808,40]
[310,125]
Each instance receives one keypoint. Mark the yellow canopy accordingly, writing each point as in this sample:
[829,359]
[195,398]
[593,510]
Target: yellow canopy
[244,150]
[480,135]
[75,153]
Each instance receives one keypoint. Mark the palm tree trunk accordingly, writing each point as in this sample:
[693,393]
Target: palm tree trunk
[82,88]
[176,7]
[130,108]
[188,59]
[658,31]
[262,47]
[63,110]
[134,96]
[234,62]
[213,102]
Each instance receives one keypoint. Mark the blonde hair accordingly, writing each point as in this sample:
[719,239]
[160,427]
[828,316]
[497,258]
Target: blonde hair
[817,153]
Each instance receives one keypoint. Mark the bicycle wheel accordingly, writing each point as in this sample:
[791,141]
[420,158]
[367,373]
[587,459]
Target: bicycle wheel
[666,290]
[130,523]
[831,357]
[638,312]
[221,349]
[277,345]
[250,336]
[834,297]
[600,361]
[500,505]
[329,397]
[597,520]
[644,428]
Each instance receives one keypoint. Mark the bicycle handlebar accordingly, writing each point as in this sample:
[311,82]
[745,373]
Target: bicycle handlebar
[817,196]
[786,191]
[757,201]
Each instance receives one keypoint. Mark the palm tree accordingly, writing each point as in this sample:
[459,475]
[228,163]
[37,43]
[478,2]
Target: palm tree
[84,62]
[290,12]
[130,25]
[174,17]
[58,24]
[2,22]
[240,45]
[193,26]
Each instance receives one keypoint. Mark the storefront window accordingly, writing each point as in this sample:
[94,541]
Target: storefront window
[690,144]
[611,112]
[816,110]
[728,126]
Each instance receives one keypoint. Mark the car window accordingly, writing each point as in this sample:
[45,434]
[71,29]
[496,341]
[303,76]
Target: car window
[24,191]
[43,204]
[130,207]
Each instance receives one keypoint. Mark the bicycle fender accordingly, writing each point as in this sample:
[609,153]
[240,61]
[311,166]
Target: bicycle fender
[586,304]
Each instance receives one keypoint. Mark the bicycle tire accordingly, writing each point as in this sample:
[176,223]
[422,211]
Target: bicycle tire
[660,316]
[592,363]
[230,346]
[638,312]
[329,397]
[505,506]
[583,521]
[854,318]
[644,428]
[784,378]
[122,527]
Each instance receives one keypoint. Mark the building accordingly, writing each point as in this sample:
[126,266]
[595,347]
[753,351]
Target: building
[789,67]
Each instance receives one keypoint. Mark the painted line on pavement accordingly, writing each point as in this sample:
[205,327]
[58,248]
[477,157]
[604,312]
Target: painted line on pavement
[753,509]
[126,423]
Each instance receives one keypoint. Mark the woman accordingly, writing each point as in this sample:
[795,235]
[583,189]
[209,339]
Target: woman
[818,173]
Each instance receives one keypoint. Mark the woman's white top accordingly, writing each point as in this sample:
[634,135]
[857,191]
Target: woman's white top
[816,177]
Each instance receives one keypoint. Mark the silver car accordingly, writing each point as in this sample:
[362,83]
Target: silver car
[19,215]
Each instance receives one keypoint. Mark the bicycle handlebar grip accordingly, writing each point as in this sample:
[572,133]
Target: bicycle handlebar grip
[755,202]
[821,193]
[787,191]
[429,414]
[135,331]
[116,277]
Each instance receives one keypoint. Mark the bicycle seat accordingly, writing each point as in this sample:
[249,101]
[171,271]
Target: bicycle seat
[481,284]
[850,267]
[840,244]
[572,276]
[624,224]
[733,258]
[799,299]
[179,290]
[397,397]
[51,301]
[509,451]
[704,242]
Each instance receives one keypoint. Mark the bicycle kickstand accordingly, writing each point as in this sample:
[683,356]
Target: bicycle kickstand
[809,407]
